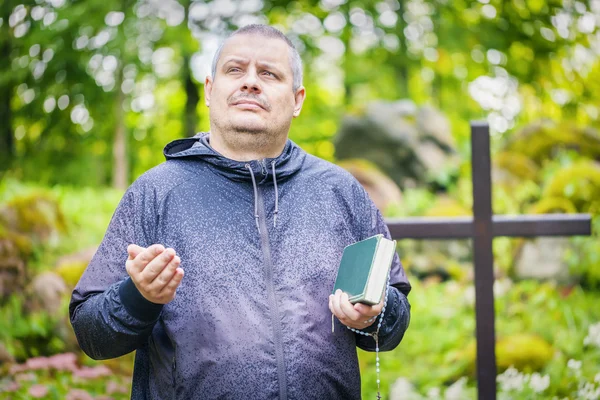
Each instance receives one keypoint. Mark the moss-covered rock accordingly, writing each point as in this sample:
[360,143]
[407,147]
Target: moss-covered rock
[579,183]
[13,274]
[25,222]
[510,166]
[38,216]
[553,205]
[71,266]
[525,351]
[543,139]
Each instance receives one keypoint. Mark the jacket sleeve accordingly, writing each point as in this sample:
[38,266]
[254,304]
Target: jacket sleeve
[395,322]
[397,313]
[109,315]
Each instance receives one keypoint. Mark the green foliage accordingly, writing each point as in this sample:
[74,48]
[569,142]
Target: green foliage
[82,214]
[531,318]
[30,334]
[81,217]
[584,258]
[430,52]
[427,51]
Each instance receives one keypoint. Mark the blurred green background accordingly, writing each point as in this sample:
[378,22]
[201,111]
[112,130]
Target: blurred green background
[90,92]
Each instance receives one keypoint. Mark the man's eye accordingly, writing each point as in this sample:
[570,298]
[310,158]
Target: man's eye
[234,69]
[269,73]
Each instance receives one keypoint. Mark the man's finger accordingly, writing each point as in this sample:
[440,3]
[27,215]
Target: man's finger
[150,253]
[146,256]
[337,306]
[155,267]
[133,250]
[348,309]
[173,284]
[166,275]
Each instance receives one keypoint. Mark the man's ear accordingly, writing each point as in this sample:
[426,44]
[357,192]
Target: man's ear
[207,90]
[299,96]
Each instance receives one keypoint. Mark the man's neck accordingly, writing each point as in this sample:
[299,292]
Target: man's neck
[247,146]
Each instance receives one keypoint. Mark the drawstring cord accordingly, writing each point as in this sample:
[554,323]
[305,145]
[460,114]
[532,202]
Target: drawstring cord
[276,196]
[255,196]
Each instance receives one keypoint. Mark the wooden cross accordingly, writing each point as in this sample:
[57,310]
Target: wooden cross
[482,228]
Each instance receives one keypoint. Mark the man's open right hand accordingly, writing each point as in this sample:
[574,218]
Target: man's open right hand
[155,272]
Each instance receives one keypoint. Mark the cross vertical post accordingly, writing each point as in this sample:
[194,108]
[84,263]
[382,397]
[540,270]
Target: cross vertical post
[483,260]
[482,228]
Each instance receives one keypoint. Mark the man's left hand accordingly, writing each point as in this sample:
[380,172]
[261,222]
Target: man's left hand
[357,316]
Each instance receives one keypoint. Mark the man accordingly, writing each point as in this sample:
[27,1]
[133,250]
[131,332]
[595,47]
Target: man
[259,227]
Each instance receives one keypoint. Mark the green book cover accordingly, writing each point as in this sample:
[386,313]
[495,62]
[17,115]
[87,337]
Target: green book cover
[364,268]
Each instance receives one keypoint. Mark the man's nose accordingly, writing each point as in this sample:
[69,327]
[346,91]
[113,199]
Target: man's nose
[250,83]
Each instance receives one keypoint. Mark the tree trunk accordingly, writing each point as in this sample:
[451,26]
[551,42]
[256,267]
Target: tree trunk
[401,62]
[191,103]
[120,165]
[7,146]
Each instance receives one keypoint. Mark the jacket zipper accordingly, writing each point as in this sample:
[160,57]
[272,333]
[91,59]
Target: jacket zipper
[277,331]
[174,369]
[263,166]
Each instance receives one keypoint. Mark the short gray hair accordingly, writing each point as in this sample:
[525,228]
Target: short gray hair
[272,33]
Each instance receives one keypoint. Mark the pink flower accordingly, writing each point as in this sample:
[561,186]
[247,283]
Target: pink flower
[36,363]
[12,386]
[92,372]
[16,368]
[38,391]
[78,394]
[114,387]
[63,362]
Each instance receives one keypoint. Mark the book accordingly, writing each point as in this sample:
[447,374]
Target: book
[364,269]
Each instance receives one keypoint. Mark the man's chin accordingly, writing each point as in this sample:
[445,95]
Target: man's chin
[250,127]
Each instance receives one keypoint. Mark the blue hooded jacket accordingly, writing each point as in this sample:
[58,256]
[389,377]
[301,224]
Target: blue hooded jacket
[260,243]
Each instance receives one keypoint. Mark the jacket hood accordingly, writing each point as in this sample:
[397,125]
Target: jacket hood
[286,164]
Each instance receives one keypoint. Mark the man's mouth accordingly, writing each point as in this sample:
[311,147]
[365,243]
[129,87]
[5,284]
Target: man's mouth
[250,104]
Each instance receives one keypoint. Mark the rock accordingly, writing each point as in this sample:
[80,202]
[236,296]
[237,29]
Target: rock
[12,268]
[523,351]
[71,266]
[526,352]
[37,216]
[381,189]
[542,259]
[409,144]
[46,292]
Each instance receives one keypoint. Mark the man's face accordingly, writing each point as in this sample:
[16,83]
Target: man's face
[251,91]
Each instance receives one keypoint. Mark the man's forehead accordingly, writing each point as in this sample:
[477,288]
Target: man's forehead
[249,46]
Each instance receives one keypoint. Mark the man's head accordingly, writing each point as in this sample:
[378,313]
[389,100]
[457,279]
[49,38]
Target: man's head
[256,86]
[266,31]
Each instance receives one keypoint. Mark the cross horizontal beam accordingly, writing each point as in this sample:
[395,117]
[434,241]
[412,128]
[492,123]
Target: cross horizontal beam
[502,225]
